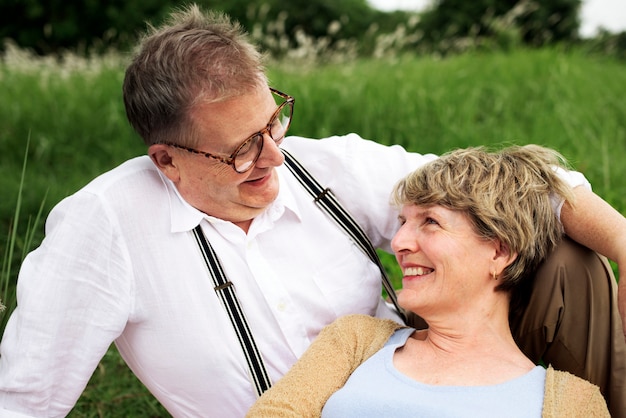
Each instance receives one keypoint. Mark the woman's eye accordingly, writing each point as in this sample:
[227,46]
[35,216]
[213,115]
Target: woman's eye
[431,221]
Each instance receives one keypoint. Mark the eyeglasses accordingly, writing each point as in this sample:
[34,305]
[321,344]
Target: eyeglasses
[246,154]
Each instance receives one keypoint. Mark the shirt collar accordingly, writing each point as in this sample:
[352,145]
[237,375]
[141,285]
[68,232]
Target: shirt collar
[185,217]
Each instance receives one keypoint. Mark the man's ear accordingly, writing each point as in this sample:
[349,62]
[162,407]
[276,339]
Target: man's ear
[503,256]
[162,156]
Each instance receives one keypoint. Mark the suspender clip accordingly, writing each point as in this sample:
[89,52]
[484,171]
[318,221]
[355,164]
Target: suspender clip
[223,286]
[322,195]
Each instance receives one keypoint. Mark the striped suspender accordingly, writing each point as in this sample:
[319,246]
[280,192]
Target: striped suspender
[225,290]
[325,199]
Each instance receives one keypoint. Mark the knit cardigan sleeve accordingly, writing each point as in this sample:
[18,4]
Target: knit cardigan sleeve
[567,395]
[325,367]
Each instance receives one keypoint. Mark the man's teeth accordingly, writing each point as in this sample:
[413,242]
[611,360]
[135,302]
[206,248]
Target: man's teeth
[417,271]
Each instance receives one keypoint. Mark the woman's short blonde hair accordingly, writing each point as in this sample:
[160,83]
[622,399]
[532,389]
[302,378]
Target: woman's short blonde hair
[509,195]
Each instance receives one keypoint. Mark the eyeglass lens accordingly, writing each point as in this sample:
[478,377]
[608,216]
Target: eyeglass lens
[248,154]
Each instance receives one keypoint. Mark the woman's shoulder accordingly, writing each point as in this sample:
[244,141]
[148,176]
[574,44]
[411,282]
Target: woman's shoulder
[364,323]
[363,330]
[561,379]
[569,395]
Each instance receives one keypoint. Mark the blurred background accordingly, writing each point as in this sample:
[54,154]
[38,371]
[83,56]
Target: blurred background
[595,15]
[90,26]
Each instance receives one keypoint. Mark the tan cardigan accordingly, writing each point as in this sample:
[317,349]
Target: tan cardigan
[342,346]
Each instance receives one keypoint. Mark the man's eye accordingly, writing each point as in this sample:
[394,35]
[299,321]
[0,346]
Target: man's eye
[247,146]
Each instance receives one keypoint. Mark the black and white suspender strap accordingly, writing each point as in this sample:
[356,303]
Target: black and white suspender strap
[225,290]
[226,293]
[325,199]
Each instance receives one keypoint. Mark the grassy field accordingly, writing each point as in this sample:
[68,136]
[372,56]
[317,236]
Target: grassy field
[73,117]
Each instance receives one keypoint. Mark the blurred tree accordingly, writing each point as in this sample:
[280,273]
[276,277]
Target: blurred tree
[538,22]
[551,21]
[607,43]
[329,19]
[50,26]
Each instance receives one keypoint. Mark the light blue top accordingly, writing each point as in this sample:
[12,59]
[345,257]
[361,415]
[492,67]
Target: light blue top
[377,389]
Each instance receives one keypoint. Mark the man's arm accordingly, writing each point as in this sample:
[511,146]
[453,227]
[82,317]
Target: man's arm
[597,225]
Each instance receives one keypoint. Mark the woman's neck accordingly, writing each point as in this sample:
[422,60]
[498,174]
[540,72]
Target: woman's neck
[463,352]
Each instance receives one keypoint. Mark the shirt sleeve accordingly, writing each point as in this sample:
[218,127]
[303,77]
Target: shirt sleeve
[574,179]
[74,299]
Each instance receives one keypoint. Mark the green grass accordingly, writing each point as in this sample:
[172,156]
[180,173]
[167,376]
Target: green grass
[568,101]
[18,244]
[77,129]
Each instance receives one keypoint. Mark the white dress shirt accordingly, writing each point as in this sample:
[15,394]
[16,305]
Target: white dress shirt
[119,264]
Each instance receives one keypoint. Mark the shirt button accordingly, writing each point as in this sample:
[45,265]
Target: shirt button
[282,306]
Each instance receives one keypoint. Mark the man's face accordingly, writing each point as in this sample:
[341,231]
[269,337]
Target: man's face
[214,187]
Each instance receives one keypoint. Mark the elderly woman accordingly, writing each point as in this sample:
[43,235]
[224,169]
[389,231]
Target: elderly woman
[473,227]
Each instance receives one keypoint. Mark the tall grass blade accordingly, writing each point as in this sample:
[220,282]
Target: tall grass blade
[8,300]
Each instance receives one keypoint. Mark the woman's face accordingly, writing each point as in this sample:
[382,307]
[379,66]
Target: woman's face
[444,263]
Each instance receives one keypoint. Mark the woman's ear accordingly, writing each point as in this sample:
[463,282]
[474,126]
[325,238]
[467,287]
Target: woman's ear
[503,256]
[164,159]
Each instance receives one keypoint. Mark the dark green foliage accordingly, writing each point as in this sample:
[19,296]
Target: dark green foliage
[50,26]
[610,44]
[91,26]
[312,17]
[550,22]
[538,22]
[330,19]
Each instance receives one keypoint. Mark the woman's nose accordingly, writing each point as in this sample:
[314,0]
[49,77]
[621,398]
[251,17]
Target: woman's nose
[404,241]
